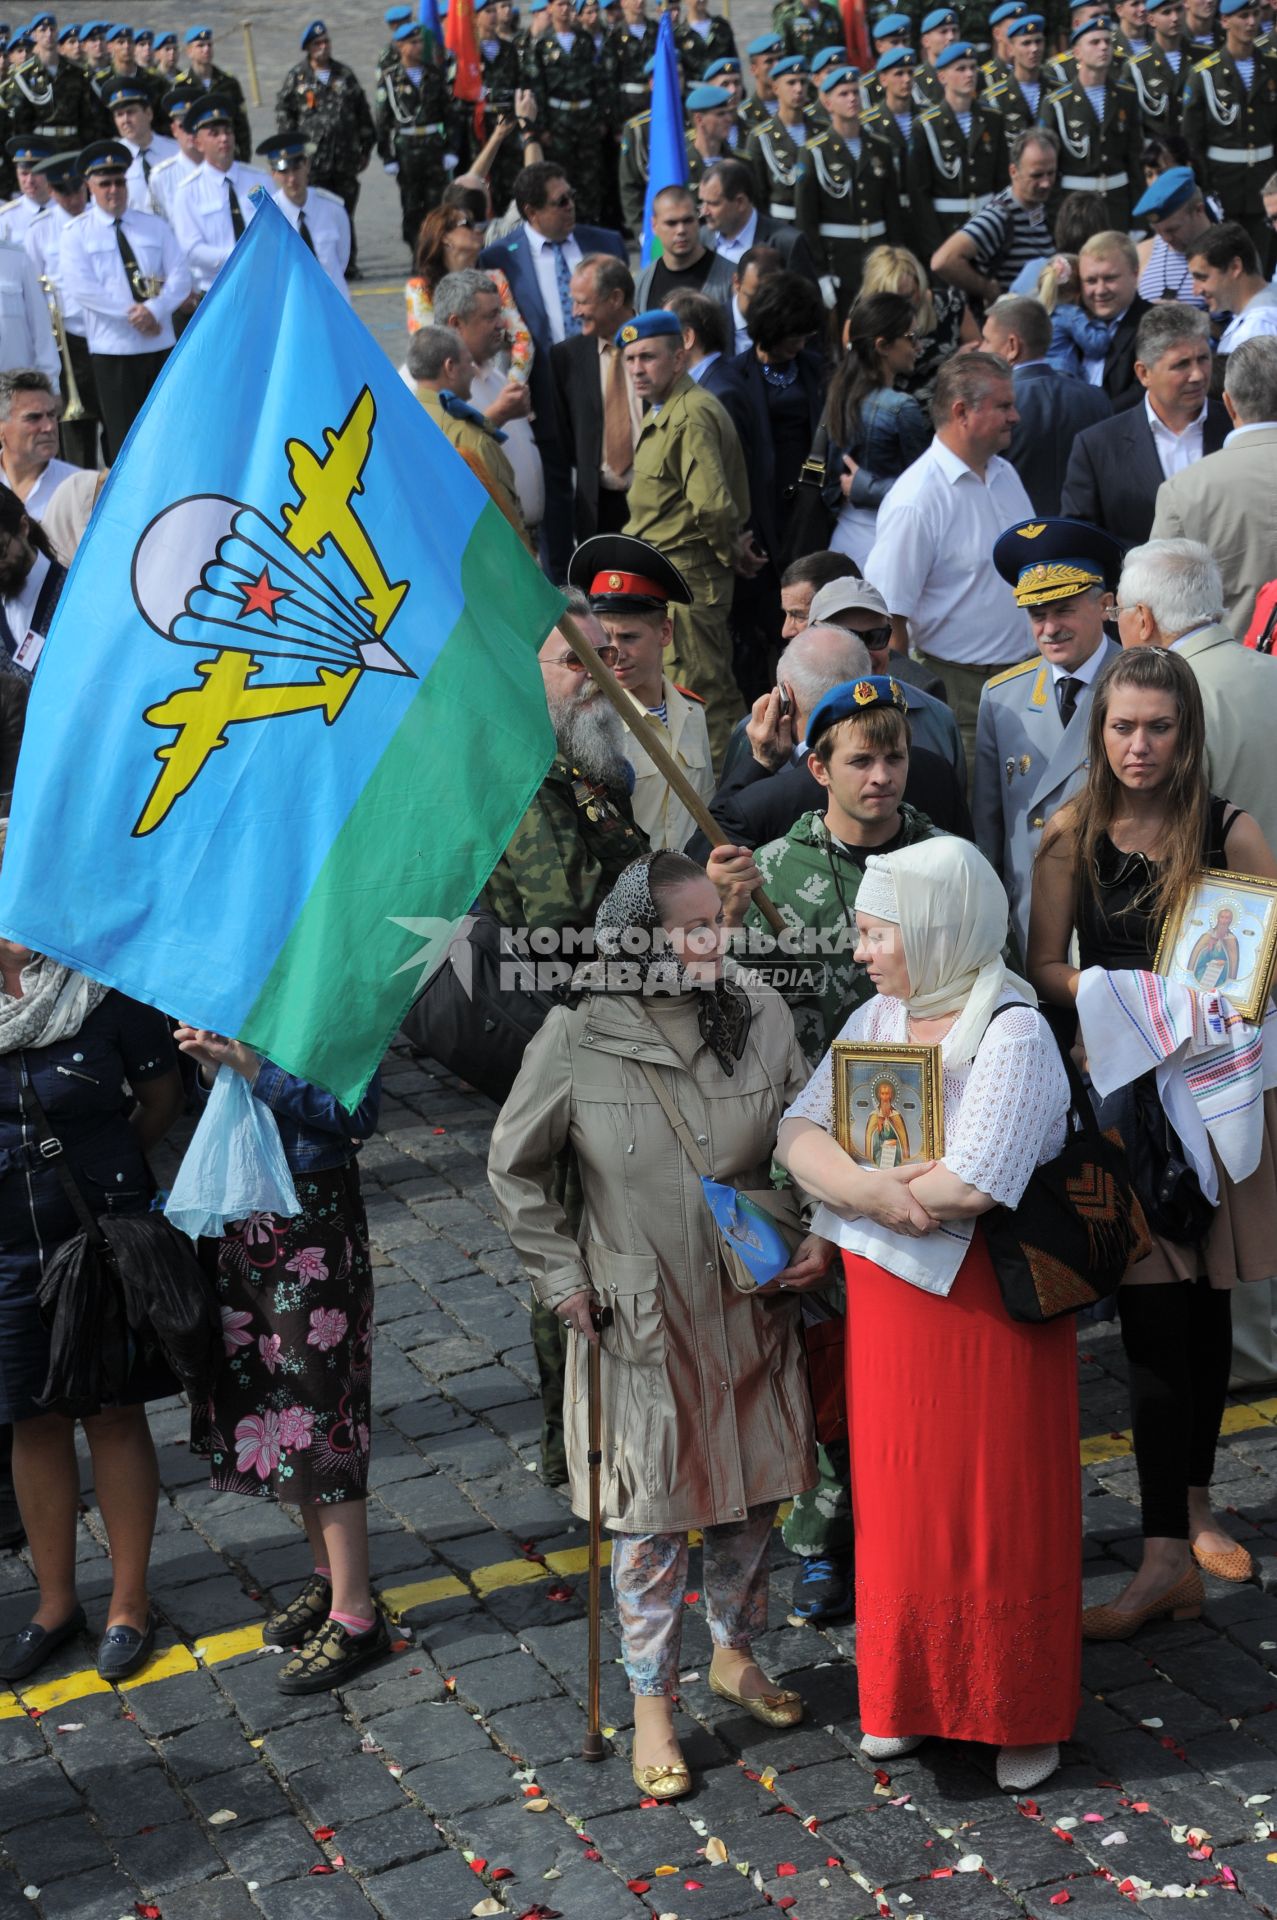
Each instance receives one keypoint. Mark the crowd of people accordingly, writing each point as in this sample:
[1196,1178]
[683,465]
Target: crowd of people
[917,491]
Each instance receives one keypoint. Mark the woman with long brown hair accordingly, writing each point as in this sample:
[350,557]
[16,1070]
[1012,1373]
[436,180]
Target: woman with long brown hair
[451,239]
[875,430]
[1114,863]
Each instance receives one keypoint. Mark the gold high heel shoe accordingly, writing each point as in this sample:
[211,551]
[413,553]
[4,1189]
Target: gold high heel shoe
[1183,1601]
[782,1708]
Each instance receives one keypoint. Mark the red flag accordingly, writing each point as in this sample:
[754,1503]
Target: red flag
[463,44]
[855,34]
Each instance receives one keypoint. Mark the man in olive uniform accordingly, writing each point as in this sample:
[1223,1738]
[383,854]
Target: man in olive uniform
[560,71]
[501,81]
[710,112]
[762,53]
[1097,119]
[1230,121]
[805,26]
[892,33]
[124,66]
[845,192]
[1158,73]
[1061,67]
[394,17]
[889,126]
[411,121]
[199,70]
[633,45]
[49,96]
[776,149]
[939,30]
[1016,96]
[703,38]
[323,100]
[957,153]
[443,367]
[690,497]
[998,65]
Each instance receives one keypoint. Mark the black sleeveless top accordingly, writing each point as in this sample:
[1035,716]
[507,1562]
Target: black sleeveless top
[1117,924]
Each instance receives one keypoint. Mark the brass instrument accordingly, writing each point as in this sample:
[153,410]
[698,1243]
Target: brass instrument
[74,408]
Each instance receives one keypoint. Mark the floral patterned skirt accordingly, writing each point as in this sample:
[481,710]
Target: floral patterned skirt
[290,1413]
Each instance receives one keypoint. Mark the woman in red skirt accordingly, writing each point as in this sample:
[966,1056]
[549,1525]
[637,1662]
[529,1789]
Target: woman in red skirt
[963,1422]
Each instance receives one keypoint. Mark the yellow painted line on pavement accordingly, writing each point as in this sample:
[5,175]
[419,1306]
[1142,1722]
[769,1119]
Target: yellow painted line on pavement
[224,1646]
[366,293]
[56,1693]
[1242,1418]
[424,1593]
[163,1666]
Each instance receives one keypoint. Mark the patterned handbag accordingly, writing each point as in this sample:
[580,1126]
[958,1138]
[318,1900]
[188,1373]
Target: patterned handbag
[1078,1226]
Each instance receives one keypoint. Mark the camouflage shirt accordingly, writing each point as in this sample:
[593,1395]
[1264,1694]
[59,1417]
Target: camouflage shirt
[567,851]
[334,115]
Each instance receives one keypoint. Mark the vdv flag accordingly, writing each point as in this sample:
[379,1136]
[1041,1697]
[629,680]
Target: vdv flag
[666,147]
[289,712]
[428,15]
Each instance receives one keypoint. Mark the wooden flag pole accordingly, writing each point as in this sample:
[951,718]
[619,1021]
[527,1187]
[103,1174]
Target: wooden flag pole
[254,87]
[664,762]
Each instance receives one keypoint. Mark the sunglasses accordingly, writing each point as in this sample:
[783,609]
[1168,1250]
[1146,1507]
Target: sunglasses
[608,655]
[875,638]
[566,199]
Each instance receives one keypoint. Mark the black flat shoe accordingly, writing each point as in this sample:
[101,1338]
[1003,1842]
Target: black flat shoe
[28,1650]
[333,1656]
[304,1615]
[123,1651]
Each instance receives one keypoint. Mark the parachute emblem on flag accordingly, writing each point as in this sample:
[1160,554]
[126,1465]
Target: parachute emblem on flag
[214,573]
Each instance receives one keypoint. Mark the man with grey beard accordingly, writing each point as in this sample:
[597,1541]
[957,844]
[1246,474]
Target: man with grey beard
[567,853]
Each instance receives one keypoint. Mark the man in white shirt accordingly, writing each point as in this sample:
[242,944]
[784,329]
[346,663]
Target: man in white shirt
[68,198]
[26,331]
[29,414]
[213,207]
[318,218]
[167,177]
[25,150]
[932,560]
[1225,270]
[127,272]
[131,107]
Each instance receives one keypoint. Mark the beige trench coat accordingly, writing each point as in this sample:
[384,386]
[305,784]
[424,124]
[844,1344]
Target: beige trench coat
[706,1403]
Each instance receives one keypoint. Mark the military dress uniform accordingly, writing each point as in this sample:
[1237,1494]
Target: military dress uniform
[632,169]
[336,119]
[164,181]
[79,438]
[227,88]
[1158,88]
[210,210]
[412,125]
[501,78]
[805,28]
[845,204]
[884,132]
[323,225]
[951,174]
[1234,132]
[1097,157]
[60,106]
[565,82]
[627,84]
[778,161]
[1006,97]
[696,51]
[927,91]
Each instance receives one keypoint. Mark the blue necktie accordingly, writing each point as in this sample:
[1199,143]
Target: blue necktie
[563,280]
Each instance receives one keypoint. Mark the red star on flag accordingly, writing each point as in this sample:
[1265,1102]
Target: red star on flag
[261,596]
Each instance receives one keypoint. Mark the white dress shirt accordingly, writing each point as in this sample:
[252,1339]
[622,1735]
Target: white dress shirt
[97,281]
[166,180]
[1088,672]
[328,224]
[520,447]
[16,216]
[44,249]
[24,643]
[932,560]
[138,176]
[545,262]
[1175,450]
[1258,316]
[26,331]
[740,242]
[202,216]
[45,487]
[740,332]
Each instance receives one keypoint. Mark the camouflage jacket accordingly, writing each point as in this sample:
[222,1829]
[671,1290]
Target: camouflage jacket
[335,118]
[412,120]
[567,851]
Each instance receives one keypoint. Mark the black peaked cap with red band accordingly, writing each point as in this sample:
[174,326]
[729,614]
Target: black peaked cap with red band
[620,574]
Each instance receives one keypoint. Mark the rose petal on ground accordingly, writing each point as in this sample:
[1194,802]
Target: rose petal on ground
[223,1817]
[715,1851]
[1115,1839]
[970,1863]
[638,1886]
[786,1869]
[323,1833]
[487,1905]
[1060,1899]
[538,1805]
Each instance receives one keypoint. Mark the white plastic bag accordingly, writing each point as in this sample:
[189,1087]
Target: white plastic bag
[234,1166]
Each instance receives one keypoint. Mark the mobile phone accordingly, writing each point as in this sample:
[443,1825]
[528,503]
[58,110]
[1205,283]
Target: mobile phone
[786,700]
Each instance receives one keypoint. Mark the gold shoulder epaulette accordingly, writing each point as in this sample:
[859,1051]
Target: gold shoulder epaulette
[1014,673]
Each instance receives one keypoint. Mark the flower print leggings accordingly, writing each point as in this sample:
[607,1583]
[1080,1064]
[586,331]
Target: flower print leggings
[649,1581]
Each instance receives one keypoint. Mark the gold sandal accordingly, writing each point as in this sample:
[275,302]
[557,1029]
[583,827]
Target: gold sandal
[782,1708]
[669,1781]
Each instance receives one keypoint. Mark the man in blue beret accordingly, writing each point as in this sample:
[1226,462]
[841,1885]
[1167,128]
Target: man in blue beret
[633,45]
[323,101]
[412,117]
[164,57]
[776,149]
[805,26]
[939,30]
[998,65]
[394,17]
[690,497]
[1158,70]
[1174,208]
[49,96]
[762,52]
[1230,120]
[1095,116]
[199,69]
[889,33]
[889,122]
[845,199]
[957,153]
[561,70]
[1015,94]
[711,115]
[125,65]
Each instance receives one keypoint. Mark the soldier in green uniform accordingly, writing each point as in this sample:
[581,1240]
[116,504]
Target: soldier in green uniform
[703,38]
[501,81]
[49,96]
[632,169]
[998,65]
[1016,97]
[957,153]
[805,26]
[890,34]
[845,192]
[633,45]
[560,71]
[889,125]
[322,99]
[1159,72]
[776,150]
[164,58]
[939,30]
[1060,68]
[394,17]
[709,111]
[124,66]
[566,854]
[1230,121]
[762,53]
[200,71]
[411,120]
[690,497]
[726,73]
[1096,118]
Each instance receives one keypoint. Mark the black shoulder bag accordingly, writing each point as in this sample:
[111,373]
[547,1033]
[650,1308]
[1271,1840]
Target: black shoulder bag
[811,519]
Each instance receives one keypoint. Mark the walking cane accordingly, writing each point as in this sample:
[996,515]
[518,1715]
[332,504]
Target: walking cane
[592,1749]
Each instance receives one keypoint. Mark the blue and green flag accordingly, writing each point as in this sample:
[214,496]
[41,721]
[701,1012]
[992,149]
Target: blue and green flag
[667,140]
[289,712]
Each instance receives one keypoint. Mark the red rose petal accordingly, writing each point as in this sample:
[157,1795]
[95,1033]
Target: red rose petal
[503,1873]
[413,1672]
[690,1599]
[146,1911]
[787,1900]
[324,1833]
[942,1873]
[693,1886]
[476,1865]
[833,1861]
[559,1592]
[325,1868]
[883,1779]
[400,1646]
[592,1853]
[1061,1899]
[786,1869]
[649,1803]
[639,1886]
[1030,1809]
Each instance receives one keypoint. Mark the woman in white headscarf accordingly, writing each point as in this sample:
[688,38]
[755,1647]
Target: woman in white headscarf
[963,1422]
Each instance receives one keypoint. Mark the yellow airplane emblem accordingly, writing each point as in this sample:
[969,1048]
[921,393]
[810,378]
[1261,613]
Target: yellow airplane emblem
[201,714]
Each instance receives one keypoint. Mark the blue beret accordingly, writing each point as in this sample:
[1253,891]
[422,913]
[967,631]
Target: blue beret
[1032,23]
[212,111]
[1172,189]
[1226,7]
[956,50]
[145,33]
[1102,24]
[193,34]
[395,16]
[838,77]
[894,57]
[792,63]
[855,696]
[310,33]
[1009,10]
[104,156]
[890,25]
[704,99]
[649,326]
[409,30]
[1047,560]
[826,55]
[165,39]
[118,32]
[763,43]
[40,20]
[939,17]
[125,93]
[727,65]
[70,32]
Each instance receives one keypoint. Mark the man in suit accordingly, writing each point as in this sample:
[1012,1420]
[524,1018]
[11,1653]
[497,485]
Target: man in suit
[1116,468]
[589,371]
[1053,407]
[733,224]
[1031,733]
[711,362]
[538,260]
[1226,499]
[1108,283]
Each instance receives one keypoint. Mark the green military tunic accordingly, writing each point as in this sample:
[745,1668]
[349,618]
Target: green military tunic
[690,497]
[411,120]
[805,28]
[632,169]
[951,174]
[1098,157]
[226,87]
[480,447]
[335,118]
[60,106]
[753,113]
[778,161]
[1007,98]
[1234,133]
[627,83]
[696,51]
[882,129]
[1158,88]
[927,91]
[845,204]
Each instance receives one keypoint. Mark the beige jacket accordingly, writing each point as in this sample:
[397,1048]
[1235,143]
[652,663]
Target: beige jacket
[1225,500]
[1239,697]
[657,808]
[706,1405]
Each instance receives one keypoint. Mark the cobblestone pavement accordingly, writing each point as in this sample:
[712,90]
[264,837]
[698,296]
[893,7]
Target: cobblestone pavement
[449,1777]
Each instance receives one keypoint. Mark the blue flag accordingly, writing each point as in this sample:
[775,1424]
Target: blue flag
[289,711]
[428,14]
[666,147]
